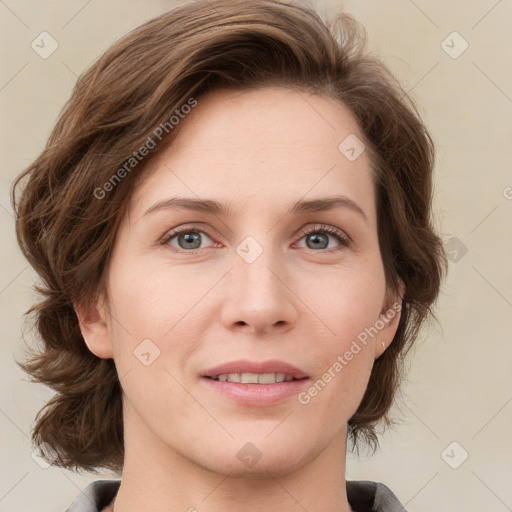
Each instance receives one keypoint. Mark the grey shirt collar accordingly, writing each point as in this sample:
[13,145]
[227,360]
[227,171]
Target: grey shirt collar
[363,496]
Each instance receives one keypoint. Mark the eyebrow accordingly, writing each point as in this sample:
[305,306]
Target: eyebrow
[299,207]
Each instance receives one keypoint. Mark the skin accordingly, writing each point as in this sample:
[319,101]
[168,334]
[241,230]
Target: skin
[257,151]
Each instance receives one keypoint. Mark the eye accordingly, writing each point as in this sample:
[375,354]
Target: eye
[188,239]
[318,238]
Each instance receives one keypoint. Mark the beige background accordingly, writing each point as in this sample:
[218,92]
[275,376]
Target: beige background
[459,386]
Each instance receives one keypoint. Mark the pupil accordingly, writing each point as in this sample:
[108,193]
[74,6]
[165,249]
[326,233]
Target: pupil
[317,237]
[189,239]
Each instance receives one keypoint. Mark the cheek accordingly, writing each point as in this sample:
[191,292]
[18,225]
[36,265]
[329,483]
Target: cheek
[348,308]
[337,390]
[156,322]
[348,303]
[149,300]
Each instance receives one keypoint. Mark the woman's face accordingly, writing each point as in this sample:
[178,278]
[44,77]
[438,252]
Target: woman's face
[256,279]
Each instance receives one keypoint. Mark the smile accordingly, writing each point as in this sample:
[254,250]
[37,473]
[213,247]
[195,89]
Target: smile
[254,378]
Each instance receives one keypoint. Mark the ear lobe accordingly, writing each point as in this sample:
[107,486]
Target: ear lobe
[390,318]
[94,328]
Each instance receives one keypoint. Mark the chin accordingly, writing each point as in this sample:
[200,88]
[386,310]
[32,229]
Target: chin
[261,470]
[252,463]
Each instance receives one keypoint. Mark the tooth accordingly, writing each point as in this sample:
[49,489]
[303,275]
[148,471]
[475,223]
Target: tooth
[249,378]
[254,378]
[267,378]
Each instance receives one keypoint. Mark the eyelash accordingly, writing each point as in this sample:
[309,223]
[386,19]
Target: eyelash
[343,239]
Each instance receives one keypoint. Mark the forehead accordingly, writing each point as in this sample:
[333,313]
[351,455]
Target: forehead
[269,117]
[269,141]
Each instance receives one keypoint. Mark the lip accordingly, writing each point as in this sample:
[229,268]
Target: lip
[256,394]
[245,366]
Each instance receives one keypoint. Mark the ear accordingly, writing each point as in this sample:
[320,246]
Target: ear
[94,328]
[389,319]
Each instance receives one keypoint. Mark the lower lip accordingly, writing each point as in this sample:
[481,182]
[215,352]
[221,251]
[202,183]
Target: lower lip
[256,394]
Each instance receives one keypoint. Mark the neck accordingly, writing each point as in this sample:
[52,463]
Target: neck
[157,477]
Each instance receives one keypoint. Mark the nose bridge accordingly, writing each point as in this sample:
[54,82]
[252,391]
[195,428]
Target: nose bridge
[258,295]
[260,274]
[256,265]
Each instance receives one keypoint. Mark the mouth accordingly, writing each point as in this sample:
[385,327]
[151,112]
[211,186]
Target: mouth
[255,372]
[254,378]
[255,384]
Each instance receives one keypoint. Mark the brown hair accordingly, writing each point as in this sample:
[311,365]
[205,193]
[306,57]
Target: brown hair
[66,232]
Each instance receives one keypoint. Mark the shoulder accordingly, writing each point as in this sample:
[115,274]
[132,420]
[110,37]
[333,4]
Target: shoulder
[368,496]
[95,496]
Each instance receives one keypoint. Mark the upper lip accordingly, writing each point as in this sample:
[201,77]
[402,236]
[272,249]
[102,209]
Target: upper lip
[245,366]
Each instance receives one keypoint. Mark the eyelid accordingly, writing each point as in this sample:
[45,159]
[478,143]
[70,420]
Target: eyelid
[184,229]
[331,230]
[344,239]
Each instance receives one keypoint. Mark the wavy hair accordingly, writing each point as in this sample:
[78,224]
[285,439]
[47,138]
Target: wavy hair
[67,233]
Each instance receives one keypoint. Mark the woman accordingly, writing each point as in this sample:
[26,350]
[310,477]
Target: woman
[232,223]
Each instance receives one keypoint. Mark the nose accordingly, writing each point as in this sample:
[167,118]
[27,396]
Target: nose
[258,296]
